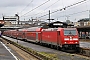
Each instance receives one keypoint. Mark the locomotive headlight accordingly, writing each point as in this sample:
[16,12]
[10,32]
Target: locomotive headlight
[66,38]
[65,42]
[76,42]
[75,38]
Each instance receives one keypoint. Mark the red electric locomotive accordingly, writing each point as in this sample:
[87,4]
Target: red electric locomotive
[65,38]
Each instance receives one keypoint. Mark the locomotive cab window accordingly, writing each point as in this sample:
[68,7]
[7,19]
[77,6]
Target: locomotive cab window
[69,32]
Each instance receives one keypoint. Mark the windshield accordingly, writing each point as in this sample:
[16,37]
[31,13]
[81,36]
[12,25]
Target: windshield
[69,32]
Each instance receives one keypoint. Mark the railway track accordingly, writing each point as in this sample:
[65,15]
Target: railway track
[82,52]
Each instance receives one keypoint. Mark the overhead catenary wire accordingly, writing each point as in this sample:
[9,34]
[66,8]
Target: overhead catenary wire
[45,8]
[65,15]
[86,10]
[36,7]
[67,6]
[75,13]
[51,5]
[26,6]
[63,8]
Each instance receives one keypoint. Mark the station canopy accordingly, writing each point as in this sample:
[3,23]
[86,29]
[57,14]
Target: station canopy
[56,25]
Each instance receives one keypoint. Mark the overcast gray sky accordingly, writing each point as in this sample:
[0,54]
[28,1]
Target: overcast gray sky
[29,8]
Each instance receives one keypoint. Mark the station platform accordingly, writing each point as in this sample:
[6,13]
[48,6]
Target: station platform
[5,53]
